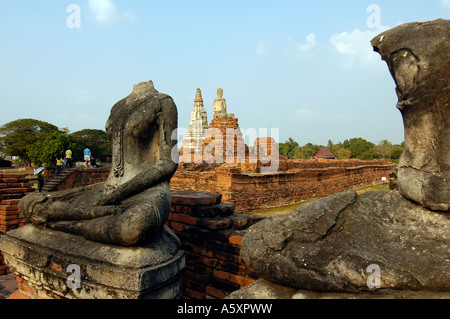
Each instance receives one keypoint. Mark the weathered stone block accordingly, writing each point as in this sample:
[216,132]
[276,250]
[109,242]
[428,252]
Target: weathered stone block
[42,257]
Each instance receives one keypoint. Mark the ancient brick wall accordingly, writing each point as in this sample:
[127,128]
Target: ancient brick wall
[301,180]
[211,235]
[13,187]
[80,177]
[296,180]
[250,191]
[211,230]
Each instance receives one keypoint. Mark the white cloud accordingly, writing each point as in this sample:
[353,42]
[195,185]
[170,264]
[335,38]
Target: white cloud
[106,12]
[262,49]
[130,16]
[355,46]
[305,114]
[445,3]
[303,49]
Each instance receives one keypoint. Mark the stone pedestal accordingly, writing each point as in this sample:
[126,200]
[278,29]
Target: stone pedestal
[50,262]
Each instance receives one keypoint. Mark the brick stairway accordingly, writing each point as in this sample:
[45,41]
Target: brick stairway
[53,183]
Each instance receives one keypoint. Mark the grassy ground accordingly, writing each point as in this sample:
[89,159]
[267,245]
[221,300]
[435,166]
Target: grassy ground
[290,208]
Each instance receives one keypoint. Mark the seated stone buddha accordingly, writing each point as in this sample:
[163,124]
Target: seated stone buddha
[131,207]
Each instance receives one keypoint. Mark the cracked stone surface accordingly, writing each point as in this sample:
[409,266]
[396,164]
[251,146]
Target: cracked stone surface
[418,57]
[328,244]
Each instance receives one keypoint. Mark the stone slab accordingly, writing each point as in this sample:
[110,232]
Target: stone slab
[42,257]
[266,290]
[192,198]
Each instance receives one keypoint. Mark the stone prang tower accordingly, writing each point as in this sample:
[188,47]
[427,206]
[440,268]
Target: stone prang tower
[198,125]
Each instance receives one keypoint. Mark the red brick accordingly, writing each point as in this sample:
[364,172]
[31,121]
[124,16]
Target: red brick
[12,222]
[5,208]
[14,175]
[13,190]
[177,227]
[236,239]
[234,268]
[194,294]
[226,257]
[3,267]
[10,202]
[194,285]
[210,262]
[57,267]
[202,251]
[193,275]
[242,281]
[216,293]
[23,287]
[9,180]
[19,295]
[183,219]
[216,224]
[4,218]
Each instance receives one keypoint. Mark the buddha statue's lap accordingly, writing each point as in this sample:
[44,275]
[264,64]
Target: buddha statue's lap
[133,205]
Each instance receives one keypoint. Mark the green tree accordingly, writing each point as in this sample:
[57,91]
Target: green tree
[46,151]
[397,152]
[384,149]
[341,152]
[288,148]
[96,140]
[330,145]
[361,149]
[309,150]
[18,136]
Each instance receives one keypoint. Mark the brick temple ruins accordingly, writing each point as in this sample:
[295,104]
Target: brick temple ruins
[211,196]
[215,159]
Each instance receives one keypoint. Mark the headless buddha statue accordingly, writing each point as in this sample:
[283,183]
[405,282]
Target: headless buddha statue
[131,207]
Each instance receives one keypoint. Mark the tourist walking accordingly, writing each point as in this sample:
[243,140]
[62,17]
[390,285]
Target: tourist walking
[68,158]
[87,157]
[59,165]
[40,183]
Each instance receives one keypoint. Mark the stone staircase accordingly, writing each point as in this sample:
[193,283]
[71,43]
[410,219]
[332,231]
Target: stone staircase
[52,184]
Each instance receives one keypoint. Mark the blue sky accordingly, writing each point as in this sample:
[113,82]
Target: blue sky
[304,67]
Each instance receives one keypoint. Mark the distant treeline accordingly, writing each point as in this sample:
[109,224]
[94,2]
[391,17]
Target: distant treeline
[354,148]
[41,143]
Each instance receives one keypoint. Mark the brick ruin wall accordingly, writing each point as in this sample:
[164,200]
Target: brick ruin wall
[296,181]
[210,228]
[12,188]
[211,234]
[80,177]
